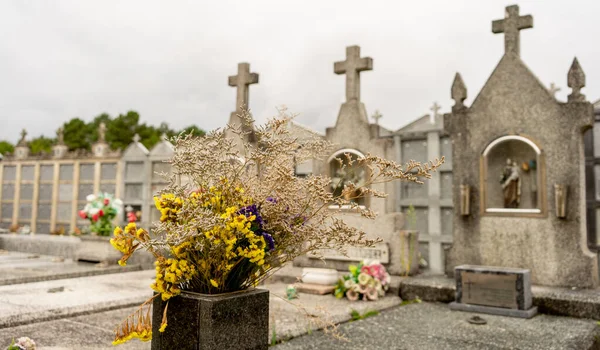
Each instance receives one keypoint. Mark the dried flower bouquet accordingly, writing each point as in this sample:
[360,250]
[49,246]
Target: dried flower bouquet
[232,215]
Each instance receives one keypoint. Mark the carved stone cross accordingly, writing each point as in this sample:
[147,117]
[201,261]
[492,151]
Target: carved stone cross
[377,116]
[510,26]
[435,108]
[242,81]
[352,67]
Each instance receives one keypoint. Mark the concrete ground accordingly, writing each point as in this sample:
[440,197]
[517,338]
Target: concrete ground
[433,326]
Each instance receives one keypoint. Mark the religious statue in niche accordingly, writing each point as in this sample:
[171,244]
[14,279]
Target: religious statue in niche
[350,174]
[511,184]
[530,168]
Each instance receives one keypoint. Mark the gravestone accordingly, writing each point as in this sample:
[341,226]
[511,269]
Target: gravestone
[494,290]
[526,142]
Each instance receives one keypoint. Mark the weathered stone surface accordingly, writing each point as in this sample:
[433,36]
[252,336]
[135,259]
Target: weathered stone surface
[238,320]
[31,302]
[434,326]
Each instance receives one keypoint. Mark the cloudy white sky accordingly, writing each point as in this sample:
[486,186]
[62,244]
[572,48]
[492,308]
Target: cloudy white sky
[169,60]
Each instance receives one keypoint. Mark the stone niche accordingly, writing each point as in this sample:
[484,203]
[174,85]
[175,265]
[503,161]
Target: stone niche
[512,174]
[351,173]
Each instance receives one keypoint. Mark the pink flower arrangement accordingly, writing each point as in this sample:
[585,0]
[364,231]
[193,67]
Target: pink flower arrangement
[367,281]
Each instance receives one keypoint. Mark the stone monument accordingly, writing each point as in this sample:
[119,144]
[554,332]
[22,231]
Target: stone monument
[516,117]
[60,150]
[100,148]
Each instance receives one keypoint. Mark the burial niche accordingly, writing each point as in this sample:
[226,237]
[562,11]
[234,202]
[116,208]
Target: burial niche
[344,169]
[512,177]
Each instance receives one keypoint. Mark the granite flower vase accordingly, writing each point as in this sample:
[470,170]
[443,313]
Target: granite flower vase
[238,320]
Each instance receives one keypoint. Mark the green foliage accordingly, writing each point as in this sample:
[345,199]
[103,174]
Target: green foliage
[416,300]
[76,134]
[411,218]
[119,131]
[357,315]
[6,147]
[41,144]
[273,336]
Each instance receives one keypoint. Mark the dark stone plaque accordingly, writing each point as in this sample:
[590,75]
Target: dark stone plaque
[489,289]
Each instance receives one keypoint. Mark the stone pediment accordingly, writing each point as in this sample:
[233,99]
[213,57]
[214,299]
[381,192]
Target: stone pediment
[162,149]
[135,150]
[512,83]
[423,124]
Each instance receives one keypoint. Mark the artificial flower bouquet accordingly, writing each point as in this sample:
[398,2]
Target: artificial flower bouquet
[101,209]
[234,212]
[367,281]
[23,343]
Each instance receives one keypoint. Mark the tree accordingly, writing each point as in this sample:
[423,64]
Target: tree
[6,147]
[41,144]
[76,133]
[120,131]
[196,131]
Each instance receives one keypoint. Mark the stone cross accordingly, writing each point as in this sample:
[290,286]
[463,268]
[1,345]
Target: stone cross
[458,92]
[510,26]
[576,81]
[553,89]
[102,132]
[242,81]
[352,67]
[377,116]
[435,108]
[136,138]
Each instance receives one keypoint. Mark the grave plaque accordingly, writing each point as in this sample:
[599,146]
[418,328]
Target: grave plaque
[494,290]
[379,252]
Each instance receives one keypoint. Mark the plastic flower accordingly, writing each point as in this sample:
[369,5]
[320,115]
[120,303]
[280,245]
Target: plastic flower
[372,293]
[363,278]
[349,284]
[352,295]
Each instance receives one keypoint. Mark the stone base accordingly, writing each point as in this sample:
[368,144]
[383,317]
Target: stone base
[311,288]
[97,249]
[494,310]
[232,321]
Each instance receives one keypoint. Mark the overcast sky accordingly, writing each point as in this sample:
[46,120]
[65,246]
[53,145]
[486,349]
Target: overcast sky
[169,60]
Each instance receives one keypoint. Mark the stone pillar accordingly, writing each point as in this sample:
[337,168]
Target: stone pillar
[436,253]
[398,187]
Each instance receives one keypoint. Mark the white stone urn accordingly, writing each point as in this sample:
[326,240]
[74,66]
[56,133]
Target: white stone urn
[324,277]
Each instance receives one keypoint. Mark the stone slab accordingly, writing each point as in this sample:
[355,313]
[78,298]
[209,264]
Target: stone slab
[18,268]
[435,326]
[494,310]
[311,288]
[31,302]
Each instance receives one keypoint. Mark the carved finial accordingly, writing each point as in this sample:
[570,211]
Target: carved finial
[553,89]
[576,81]
[458,92]
[435,108]
[136,138]
[377,116]
[60,136]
